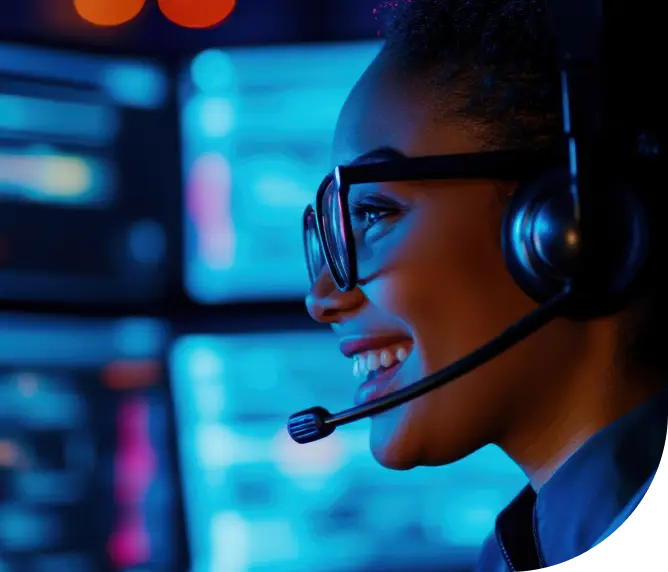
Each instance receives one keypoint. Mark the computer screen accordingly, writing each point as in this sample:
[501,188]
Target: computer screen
[88,471]
[257,126]
[89,176]
[256,501]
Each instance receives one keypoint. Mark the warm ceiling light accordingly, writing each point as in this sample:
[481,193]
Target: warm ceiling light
[196,13]
[108,12]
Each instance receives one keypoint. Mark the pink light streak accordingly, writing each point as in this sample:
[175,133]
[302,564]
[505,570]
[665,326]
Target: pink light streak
[134,467]
[209,201]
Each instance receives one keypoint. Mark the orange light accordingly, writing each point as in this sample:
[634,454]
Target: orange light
[196,13]
[108,12]
[132,374]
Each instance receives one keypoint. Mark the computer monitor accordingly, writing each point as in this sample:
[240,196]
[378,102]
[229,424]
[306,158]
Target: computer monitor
[257,127]
[88,471]
[256,501]
[89,177]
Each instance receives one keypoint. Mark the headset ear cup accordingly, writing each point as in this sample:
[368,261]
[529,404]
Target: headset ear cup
[541,245]
[540,268]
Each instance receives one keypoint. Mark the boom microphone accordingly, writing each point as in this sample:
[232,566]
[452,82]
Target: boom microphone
[317,423]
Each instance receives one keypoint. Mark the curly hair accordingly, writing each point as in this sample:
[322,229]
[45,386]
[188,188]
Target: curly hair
[499,54]
[498,61]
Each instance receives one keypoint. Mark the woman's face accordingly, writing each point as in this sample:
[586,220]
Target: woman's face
[432,281]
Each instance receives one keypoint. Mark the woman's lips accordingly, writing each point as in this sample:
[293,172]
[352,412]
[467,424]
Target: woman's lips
[378,384]
[361,344]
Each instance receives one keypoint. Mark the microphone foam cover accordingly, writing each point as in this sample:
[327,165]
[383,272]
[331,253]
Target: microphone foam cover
[309,425]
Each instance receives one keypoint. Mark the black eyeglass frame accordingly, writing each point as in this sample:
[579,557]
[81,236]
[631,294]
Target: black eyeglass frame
[507,165]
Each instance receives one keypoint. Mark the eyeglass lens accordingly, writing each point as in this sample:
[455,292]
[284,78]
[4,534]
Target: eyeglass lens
[335,235]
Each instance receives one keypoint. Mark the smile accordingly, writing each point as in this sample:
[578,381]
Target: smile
[371,363]
[376,362]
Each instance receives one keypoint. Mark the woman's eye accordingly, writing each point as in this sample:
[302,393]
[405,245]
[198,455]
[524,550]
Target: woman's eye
[365,216]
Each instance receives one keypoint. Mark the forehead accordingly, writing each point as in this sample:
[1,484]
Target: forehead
[388,108]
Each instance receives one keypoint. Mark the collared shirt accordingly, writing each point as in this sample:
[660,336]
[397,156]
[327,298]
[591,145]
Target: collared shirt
[586,499]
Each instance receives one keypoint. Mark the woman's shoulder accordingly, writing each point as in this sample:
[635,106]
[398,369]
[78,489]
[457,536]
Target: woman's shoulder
[491,559]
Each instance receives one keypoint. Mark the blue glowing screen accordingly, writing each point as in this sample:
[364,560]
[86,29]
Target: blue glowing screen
[257,125]
[256,501]
[88,474]
[89,176]
[60,113]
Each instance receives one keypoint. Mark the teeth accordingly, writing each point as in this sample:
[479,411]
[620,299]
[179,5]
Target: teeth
[367,362]
[386,358]
[372,361]
[359,366]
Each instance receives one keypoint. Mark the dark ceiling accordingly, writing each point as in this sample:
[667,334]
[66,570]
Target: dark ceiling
[253,22]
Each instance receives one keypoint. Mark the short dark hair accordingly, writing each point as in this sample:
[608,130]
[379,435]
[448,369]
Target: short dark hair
[499,59]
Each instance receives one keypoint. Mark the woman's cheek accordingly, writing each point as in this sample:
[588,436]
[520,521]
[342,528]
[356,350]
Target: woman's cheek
[408,271]
[408,298]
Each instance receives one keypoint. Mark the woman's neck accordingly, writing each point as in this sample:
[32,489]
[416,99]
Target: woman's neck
[595,396]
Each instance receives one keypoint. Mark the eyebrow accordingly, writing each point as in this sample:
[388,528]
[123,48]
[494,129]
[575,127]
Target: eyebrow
[377,155]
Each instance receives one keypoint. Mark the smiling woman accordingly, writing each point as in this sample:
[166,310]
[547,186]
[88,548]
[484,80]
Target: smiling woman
[461,106]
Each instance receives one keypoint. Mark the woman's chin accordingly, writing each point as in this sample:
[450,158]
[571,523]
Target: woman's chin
[391,444]
[392,459]
[398,440]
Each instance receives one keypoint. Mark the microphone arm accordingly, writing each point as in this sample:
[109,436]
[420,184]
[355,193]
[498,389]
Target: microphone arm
[317,423]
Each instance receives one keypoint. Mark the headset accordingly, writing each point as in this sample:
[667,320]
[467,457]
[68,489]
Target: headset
[576,238]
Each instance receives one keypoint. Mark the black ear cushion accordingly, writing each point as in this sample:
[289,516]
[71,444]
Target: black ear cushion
[541,245]
[537,278]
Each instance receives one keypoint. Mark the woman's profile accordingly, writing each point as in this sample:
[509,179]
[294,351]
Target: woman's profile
[579,405]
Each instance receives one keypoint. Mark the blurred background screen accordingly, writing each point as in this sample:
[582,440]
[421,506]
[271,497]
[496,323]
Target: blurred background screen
[88,479]
[257,501]
[257,128]
[88,176]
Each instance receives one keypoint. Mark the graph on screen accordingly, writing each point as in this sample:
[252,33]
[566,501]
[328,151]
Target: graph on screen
[257,126]
[256,501]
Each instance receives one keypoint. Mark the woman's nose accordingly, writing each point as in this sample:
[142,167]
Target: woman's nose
[327,304]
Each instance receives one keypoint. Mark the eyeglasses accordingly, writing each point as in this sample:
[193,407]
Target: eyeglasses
[328,231]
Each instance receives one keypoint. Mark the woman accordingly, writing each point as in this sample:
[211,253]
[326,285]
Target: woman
[577,404]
